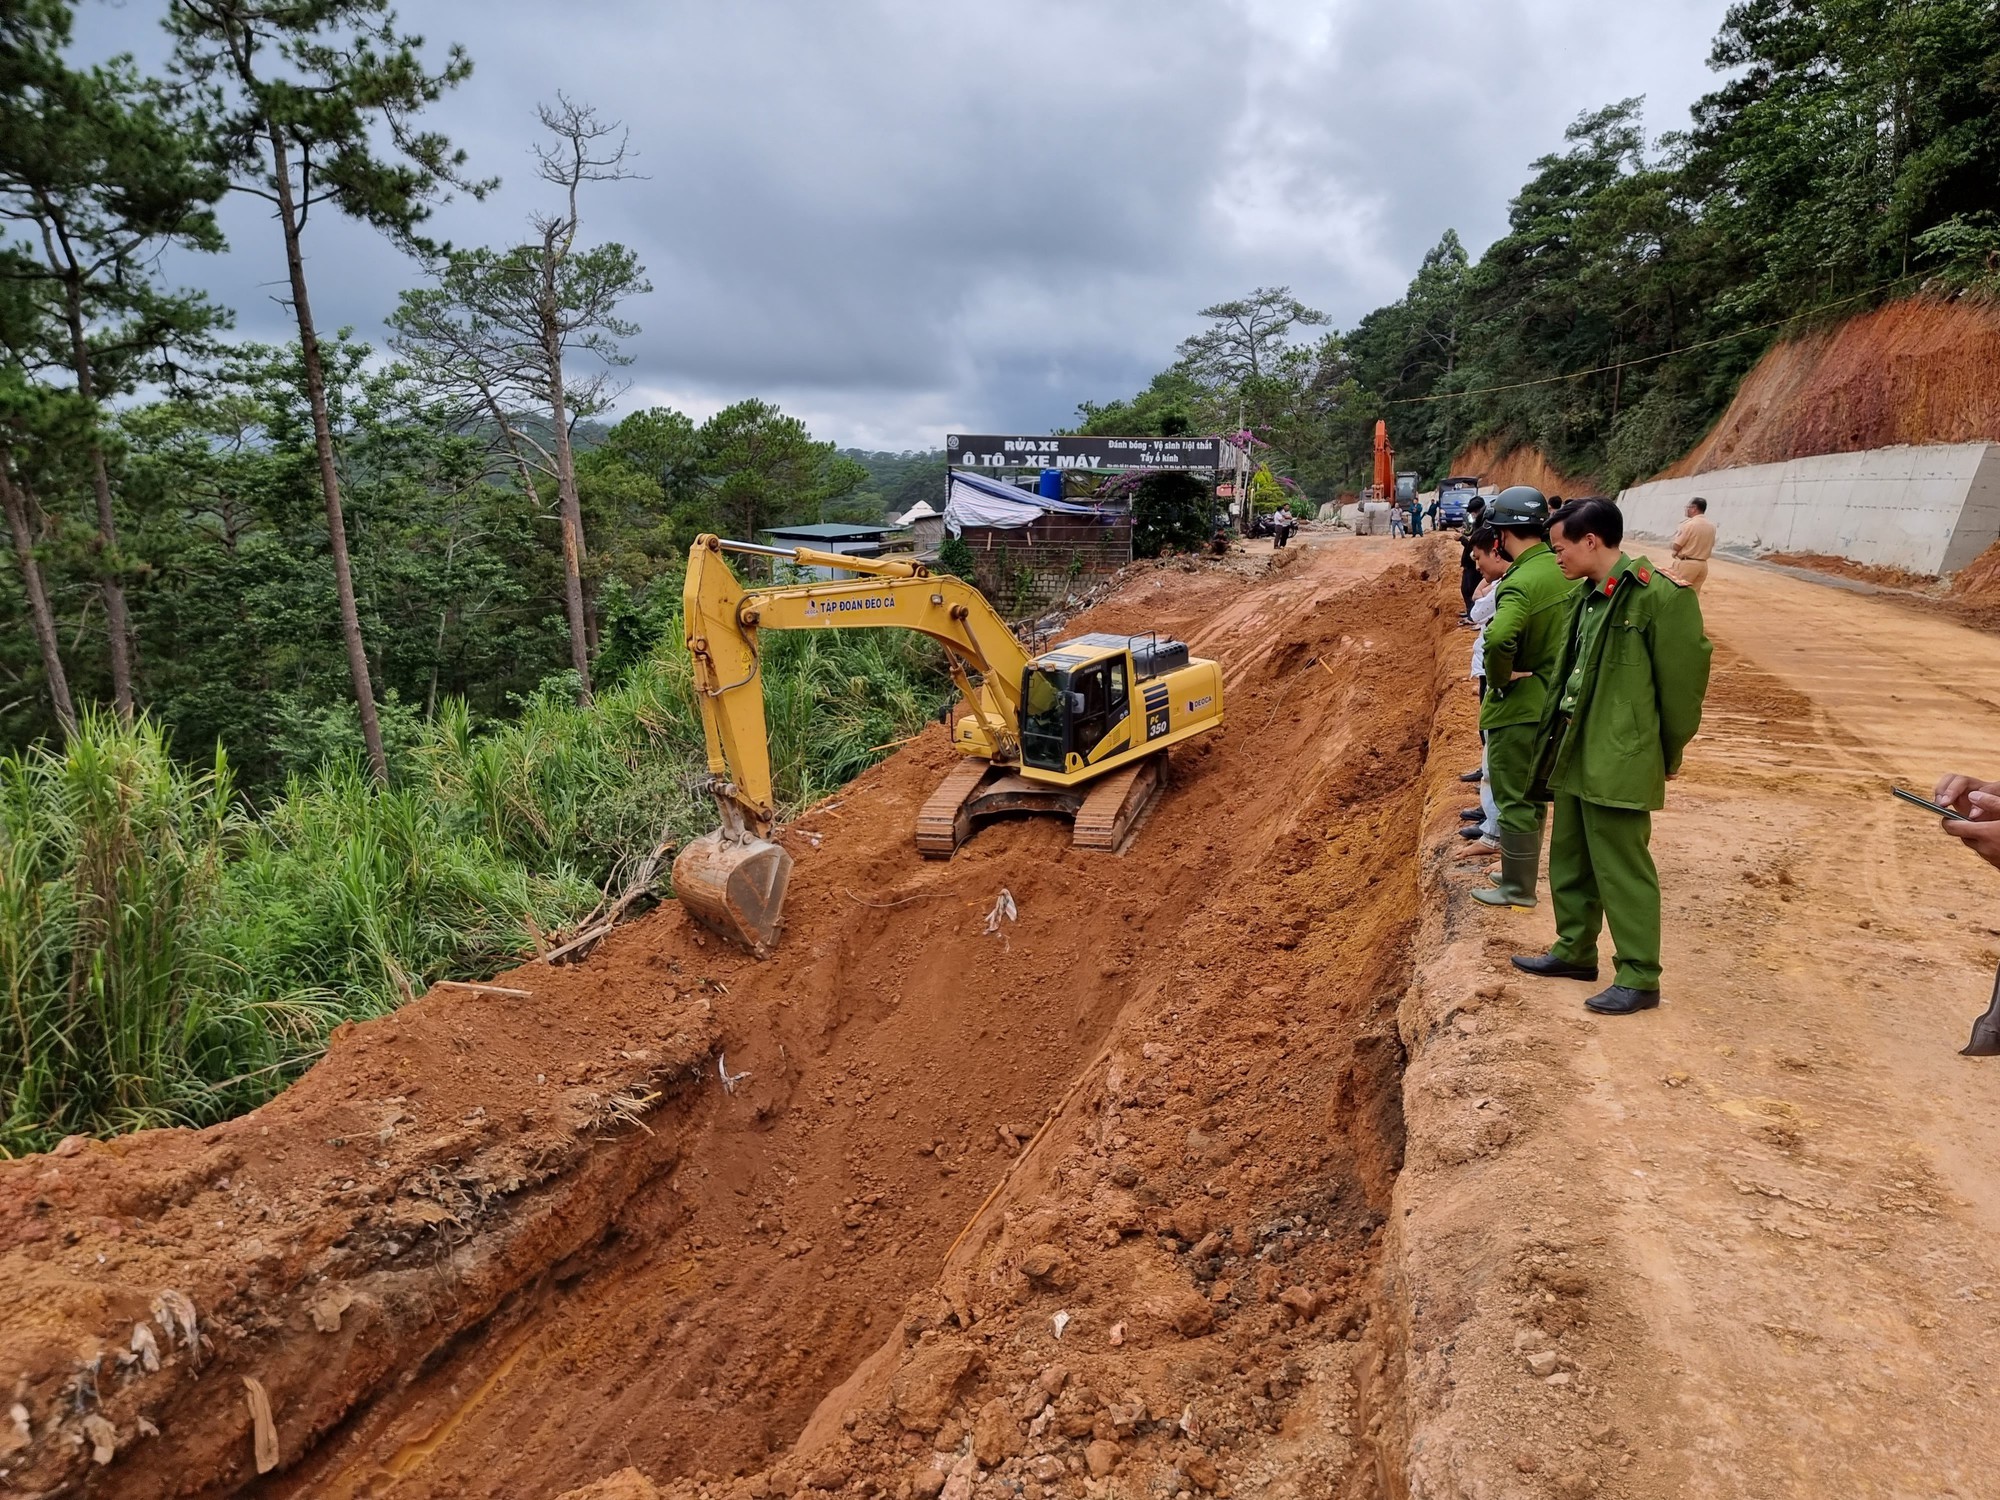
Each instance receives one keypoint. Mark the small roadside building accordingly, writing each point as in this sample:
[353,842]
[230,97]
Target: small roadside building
[1030,550]
[832,536]
[926,527]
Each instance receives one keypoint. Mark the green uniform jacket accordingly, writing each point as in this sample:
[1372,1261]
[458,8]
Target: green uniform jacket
[1526,634]
[1640,700]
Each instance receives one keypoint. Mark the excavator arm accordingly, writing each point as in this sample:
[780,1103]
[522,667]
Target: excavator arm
[735,879]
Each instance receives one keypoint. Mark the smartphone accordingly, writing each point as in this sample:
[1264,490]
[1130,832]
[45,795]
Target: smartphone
[1927,805]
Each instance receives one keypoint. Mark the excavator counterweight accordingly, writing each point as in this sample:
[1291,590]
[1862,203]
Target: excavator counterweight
[1082,730]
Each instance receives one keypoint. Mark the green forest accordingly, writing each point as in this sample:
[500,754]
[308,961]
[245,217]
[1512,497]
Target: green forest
[330,667]
[1849,154]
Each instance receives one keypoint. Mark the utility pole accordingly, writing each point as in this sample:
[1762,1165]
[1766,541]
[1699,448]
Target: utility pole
[1245,516]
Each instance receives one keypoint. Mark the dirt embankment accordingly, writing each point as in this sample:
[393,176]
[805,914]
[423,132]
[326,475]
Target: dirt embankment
[1978,582]
[1971,596]
[1880,574]
[1522,463]
[1917,371]
[1102,1191]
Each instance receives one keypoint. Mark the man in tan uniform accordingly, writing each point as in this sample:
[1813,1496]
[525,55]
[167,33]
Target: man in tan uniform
[1693,544]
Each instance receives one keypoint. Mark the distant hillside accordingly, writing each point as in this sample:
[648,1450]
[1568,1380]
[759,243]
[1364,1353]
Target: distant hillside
[896,481]
[1522,463]
[1921,370]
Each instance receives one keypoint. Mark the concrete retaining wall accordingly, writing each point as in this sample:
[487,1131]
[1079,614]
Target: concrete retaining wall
[1931,509]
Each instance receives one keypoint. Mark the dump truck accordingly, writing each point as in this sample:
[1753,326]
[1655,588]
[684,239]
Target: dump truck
[1080,731]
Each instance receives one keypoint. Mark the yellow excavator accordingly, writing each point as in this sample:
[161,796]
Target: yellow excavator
[1081,730]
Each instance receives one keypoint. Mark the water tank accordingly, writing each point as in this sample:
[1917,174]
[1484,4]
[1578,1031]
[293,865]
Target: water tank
[1050,486]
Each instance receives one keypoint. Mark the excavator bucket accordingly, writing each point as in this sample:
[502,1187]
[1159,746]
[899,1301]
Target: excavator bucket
[735,887]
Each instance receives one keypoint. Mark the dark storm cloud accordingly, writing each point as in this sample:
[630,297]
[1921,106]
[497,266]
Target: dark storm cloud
[896,217]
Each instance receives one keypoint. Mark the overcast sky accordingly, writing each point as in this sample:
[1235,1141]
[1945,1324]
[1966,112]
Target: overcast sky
[898,218]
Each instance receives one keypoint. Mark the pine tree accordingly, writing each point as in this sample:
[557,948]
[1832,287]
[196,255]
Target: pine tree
[298,93]
[99,172]
[497,332]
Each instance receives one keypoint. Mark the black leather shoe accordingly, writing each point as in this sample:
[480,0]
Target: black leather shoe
[1469,813]
[1475,774]
[1622,1000]
[1550,967]
[1473,831]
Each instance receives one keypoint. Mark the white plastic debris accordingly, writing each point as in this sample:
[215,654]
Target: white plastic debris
[1003,910]
[1061,1320]
[729,1079]
[103,1439]
[174,1312]
[263,1427]
[146,1346]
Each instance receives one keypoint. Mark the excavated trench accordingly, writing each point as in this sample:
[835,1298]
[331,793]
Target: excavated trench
[813,1224]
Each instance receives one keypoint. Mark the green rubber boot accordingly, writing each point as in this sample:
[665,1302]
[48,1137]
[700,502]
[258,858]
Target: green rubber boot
[1499,876]
[1520,863]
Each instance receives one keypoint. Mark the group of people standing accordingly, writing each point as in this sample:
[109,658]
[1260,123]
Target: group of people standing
[1592,666]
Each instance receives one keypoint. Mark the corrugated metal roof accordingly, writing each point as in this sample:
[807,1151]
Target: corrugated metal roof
[830,531]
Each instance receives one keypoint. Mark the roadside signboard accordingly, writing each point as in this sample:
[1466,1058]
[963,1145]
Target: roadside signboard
[981,451]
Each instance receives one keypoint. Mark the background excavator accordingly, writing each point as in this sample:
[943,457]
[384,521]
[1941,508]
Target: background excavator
[1081,730]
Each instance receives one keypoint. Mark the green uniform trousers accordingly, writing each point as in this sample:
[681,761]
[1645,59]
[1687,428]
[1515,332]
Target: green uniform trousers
[1511,751]
[1600,866]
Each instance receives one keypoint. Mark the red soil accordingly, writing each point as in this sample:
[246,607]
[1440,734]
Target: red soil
[1978,582]
[501,1247]
[1521,464]
[1880,574]
[1917,371]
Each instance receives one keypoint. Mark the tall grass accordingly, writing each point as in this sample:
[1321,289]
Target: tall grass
[170,955]
[111,859]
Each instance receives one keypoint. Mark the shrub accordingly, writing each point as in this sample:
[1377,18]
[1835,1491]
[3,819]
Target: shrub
[955,557]
[169,955]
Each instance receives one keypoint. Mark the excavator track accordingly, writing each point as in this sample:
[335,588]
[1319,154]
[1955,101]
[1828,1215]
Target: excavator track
[1104,812]
[1117,803]
[945,820]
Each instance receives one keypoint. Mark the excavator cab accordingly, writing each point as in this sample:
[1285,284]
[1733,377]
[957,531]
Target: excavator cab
[1068,713]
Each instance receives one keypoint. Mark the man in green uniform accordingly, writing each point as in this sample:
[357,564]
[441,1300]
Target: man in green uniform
[1633,676]
[1524,645]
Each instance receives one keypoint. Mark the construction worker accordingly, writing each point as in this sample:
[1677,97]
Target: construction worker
[1524,642]
[1693,545]
[1633,675]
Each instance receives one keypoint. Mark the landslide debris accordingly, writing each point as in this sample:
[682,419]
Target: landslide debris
[1095,1194]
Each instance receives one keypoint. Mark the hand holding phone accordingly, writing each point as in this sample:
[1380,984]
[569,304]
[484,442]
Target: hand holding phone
[1927,805]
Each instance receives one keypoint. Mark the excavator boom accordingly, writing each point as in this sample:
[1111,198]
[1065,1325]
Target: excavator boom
[734,880]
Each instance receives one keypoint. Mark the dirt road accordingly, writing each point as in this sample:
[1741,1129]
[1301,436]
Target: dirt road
[1765,1216]
[1240,1164]
[1825,1238]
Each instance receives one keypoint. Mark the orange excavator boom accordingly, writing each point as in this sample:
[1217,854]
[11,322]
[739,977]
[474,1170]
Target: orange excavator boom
[1385,462]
